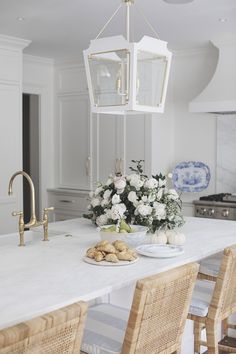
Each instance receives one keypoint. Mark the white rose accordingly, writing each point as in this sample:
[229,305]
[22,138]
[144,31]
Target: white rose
[144,210]
[120,191]
[107,194]
[172,194]
[95,202]
[144,198]
[102,220]
[132,197]
[119,182]
[151,183]
[98,190]
[136,182]
[160,210]
[117,211]
[115,199]
[162,182]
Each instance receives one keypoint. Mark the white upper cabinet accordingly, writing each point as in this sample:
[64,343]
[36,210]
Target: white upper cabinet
[90,147]
[10,128]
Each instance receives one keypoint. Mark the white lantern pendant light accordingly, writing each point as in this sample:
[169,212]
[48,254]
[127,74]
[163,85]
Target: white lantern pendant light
[126,77]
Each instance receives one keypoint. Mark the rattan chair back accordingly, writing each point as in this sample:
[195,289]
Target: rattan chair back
[58,332]
[159,311]
[224,296]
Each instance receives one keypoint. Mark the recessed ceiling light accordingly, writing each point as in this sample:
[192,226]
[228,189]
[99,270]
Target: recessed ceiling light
[20,18]
[177,2]
[223,19]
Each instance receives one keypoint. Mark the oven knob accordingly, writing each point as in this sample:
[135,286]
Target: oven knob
[211,212]
[203,211]
[225,213]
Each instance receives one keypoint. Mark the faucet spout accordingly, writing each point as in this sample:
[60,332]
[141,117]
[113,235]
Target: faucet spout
[32,193]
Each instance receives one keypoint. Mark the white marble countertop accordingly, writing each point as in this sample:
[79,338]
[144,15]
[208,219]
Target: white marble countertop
[44,276]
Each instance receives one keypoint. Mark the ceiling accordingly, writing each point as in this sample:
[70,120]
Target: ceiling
[63,28]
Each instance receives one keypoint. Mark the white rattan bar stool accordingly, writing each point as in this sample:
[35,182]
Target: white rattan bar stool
[155,323]
[58,332]
[214,302]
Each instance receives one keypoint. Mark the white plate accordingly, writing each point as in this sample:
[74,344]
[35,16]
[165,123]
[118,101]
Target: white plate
[105,263]
[160,251]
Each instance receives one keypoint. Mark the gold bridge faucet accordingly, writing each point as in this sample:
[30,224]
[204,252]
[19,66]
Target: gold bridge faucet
[33,220]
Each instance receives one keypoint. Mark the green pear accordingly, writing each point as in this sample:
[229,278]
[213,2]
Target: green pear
[123,232]
[124,226]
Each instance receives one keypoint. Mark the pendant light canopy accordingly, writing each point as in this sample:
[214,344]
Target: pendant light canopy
[126,77]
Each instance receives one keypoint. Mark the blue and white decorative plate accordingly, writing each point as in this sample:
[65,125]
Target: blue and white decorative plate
[192,176]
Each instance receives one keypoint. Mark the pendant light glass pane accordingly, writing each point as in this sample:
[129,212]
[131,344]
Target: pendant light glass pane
[151,72]
[109,73]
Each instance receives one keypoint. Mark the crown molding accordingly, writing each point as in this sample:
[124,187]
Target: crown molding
[13,43]
[37,60]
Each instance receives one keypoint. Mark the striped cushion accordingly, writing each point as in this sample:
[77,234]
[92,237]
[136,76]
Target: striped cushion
[201,298]
[105,329]
[211,265]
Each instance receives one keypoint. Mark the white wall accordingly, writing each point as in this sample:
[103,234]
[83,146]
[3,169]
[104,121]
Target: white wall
[38,78]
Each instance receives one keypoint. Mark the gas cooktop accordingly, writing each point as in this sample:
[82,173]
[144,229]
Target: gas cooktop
[221,197]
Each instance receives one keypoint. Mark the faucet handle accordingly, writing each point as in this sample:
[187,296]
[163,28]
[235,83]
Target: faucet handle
[48,209]
[17,213]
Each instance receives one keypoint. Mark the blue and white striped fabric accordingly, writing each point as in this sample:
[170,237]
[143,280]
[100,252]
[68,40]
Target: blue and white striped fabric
[201,298]
[105,329]
[211,265]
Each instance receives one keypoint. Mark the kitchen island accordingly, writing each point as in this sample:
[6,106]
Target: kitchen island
[44,276]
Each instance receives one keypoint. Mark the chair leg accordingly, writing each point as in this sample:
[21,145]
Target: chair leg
[225,327]
[197,336]
[211,334]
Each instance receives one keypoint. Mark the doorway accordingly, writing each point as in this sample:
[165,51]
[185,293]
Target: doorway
[30,141]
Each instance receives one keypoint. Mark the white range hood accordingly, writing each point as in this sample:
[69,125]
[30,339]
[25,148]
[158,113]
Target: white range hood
[219,96]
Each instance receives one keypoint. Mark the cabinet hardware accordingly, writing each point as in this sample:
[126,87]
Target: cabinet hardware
[88,165]
[67,201]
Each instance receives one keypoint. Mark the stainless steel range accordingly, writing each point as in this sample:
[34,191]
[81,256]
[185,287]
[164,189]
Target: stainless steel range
[216,206]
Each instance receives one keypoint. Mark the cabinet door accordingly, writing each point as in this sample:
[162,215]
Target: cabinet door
[105,137]
[74,151]
[136,141]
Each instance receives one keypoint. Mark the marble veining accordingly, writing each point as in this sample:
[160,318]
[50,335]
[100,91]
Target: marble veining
[226,157]
[44,276]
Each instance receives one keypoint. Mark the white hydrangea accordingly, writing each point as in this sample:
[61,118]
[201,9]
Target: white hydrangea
[95,202]
[151,183]
[119,182]
[172,194]
[102,220]
[98,190]
[160,210]
[115,199]
[144,209]
[104,202]
[144,198]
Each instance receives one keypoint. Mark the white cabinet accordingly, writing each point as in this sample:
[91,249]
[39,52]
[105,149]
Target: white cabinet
[74,142]
[10,128]
[68,204]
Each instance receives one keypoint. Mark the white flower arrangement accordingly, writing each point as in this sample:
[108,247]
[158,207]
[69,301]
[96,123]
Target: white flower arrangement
[137,199]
